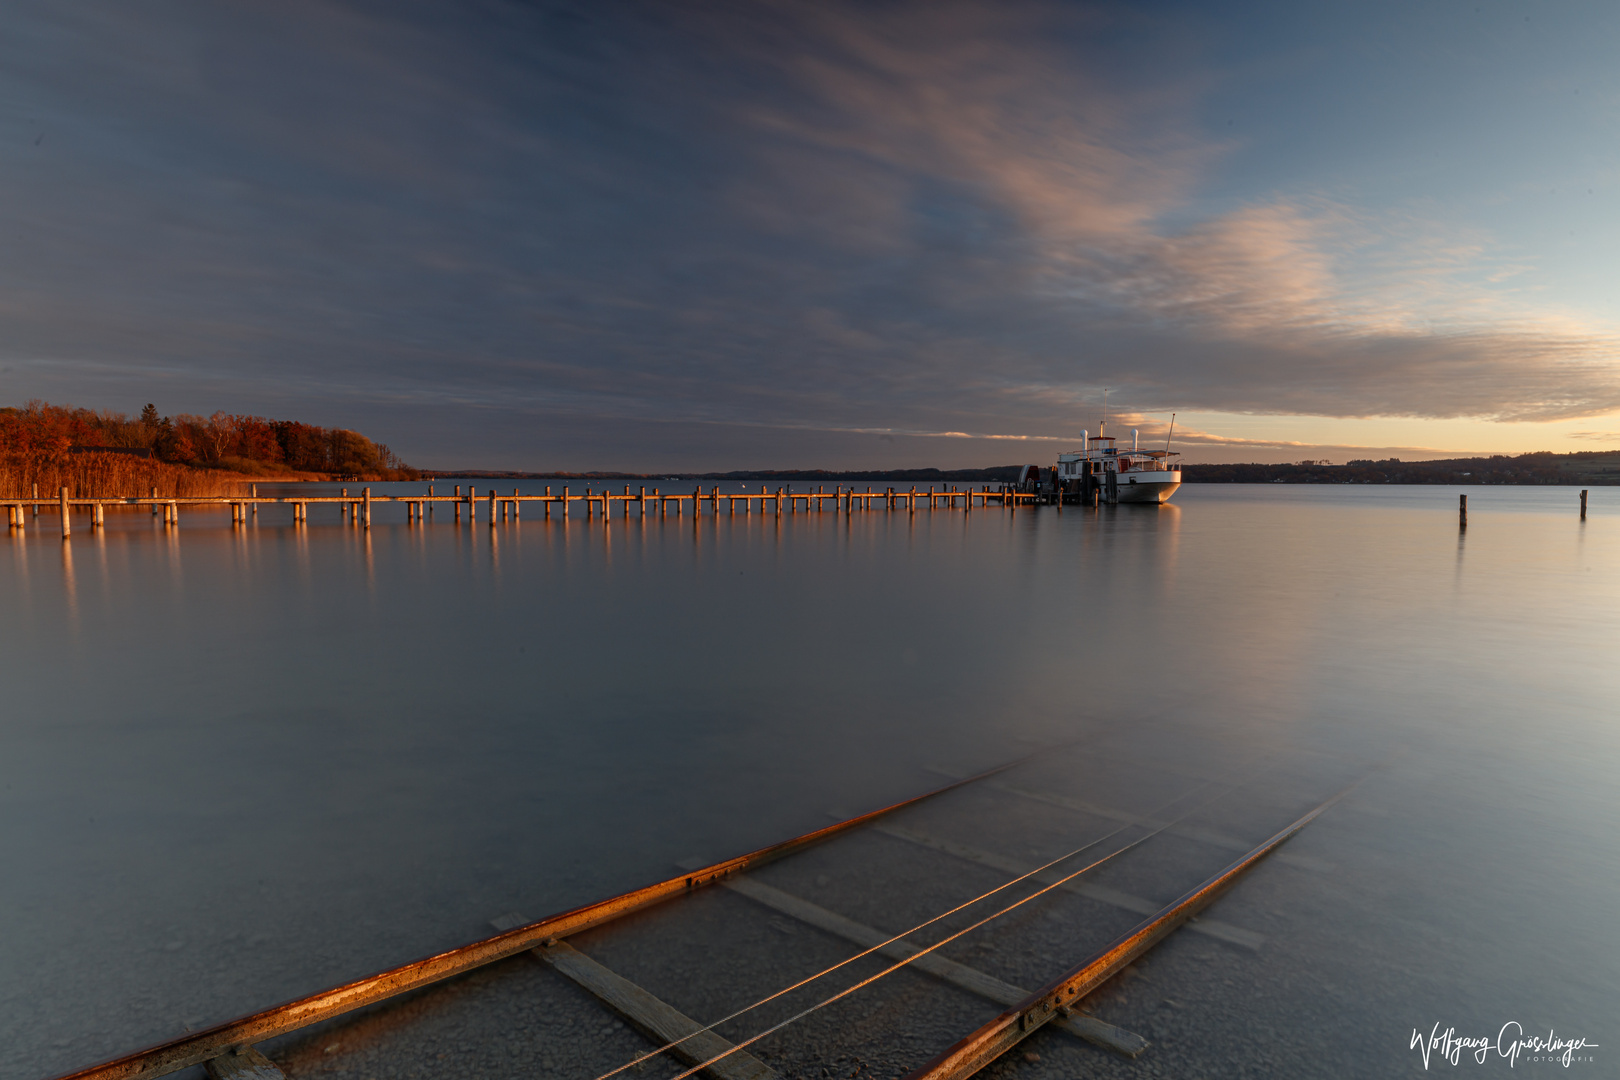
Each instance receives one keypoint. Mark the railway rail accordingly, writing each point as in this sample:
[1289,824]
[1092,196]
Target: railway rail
[929,947]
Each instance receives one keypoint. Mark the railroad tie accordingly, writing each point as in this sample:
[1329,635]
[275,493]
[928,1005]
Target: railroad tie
[243,1063]
[658,1021]
[1089,1028]
[1186,832]
[1232,935]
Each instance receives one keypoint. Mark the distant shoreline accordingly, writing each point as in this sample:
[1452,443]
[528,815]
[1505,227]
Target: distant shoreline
[1591,468]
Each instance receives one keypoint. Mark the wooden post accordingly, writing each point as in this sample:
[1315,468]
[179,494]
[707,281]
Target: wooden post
[365,496]
[1462,511]
[516,504]
[255,490]
[36,500]
[565,502]
[457,504]
[641,500]
[427,506]
[67,526]
[547,503]
[1583,504]
[472,506]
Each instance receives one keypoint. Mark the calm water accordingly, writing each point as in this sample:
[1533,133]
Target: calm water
[238,766]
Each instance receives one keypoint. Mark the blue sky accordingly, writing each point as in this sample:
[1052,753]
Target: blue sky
[694,236]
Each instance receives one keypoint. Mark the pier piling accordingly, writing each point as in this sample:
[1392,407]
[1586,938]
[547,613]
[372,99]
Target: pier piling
[1462,511]
[1583,504]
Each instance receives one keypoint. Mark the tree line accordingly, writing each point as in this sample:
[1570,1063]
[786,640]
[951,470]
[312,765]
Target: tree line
[252,445]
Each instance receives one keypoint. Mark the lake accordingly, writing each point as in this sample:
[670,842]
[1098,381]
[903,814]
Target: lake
[239,765]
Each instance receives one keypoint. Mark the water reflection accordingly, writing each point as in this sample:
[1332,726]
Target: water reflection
[541,716]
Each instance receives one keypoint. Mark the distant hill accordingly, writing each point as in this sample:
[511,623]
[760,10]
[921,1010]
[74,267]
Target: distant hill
[1594,468]
[995,475]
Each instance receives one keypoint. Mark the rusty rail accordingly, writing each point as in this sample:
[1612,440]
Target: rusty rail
[201,1046]
[1059,997]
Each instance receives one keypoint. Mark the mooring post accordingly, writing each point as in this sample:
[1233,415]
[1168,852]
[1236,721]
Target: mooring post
[36,500]
[154,503]
[67,527]
[429,505]
[565,502]
[492,508]
[255,490]
[1583,504]
[1462,511]
[365,498]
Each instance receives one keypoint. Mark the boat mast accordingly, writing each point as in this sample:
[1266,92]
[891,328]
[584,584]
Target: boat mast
[1172,432]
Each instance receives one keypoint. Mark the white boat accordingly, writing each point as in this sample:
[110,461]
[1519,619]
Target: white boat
[1140,476]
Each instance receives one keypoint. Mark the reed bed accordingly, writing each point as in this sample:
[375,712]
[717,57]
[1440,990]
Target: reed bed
[110,476]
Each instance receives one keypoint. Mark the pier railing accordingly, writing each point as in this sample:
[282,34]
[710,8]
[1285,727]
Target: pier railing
[356,508]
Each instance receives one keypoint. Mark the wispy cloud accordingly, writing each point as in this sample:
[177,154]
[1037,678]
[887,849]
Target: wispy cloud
[950,221]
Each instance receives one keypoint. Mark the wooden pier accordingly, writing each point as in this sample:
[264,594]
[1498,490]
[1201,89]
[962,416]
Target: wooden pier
[356,508]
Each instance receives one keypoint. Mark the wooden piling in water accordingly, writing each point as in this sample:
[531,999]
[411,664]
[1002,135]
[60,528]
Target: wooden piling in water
[1583,504]
[1462,511]
[67,526]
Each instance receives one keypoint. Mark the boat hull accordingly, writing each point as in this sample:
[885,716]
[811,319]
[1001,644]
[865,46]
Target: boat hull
[1136,490]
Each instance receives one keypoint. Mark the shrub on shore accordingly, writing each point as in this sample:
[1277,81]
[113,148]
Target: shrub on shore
[54,446]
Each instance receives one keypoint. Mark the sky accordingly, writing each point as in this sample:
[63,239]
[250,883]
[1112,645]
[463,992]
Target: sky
[665,237]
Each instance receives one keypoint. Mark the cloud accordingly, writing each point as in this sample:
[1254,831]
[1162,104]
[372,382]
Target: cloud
[574,230]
